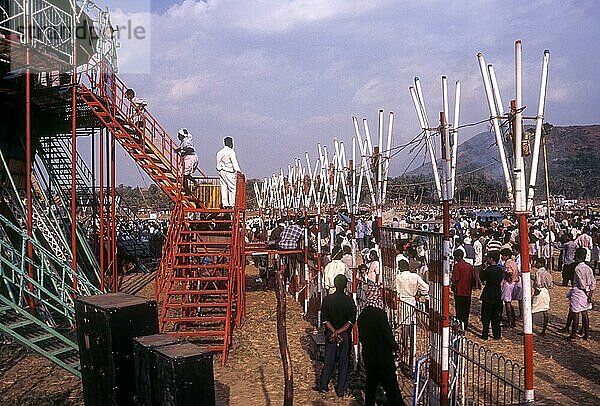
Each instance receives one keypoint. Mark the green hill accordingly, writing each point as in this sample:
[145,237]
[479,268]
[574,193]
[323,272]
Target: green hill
[573,164]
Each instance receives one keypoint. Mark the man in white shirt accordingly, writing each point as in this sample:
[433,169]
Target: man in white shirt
[409,285]
[334,268]
[228,167]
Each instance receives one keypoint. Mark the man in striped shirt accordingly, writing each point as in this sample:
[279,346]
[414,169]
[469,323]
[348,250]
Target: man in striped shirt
[494,243]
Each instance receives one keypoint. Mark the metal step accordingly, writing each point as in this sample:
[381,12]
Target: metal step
[34,334]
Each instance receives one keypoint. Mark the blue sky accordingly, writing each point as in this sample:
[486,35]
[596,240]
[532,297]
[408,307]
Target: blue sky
[280,76]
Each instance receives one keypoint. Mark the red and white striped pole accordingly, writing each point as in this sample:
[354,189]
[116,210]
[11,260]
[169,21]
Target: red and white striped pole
[521,211]
[354,236]
[447,196]
[306,256]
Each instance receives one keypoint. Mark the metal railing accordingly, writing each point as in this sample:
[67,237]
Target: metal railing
[51,282]
[480,376]
[151,134]
[477,375]
[51,26]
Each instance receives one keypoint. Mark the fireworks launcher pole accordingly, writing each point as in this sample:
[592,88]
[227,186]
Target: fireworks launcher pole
[496,124]
[445,303]
[353,231]
[521,211]
[425,127]
[538,130]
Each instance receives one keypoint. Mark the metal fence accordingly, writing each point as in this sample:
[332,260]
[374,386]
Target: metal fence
[477,376]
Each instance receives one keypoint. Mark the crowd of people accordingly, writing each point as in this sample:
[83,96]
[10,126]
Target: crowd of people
[486,265]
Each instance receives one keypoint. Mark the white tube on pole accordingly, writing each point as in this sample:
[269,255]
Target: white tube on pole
[455,128]
[538,130]
[365,171]
[335,160]
[429,144]
[496,125]
[496,90]
[520,200]
[380,158]
[368,137]
[421,100]
[354,190]
[311,178]
[445,96]
[388,152]
[314,182]
[257,195]
[326,175]
[446,145]
[356,165]
[342,171]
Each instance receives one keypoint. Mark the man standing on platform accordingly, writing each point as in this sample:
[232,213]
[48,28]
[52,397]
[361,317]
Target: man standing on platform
[462,285]
[339,314]
[228,168]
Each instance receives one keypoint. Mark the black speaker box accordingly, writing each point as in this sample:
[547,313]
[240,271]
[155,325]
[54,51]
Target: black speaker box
[144,359]
[106,326]
[184,375]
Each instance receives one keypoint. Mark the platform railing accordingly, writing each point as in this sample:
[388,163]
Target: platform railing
[112,89]
[51,26]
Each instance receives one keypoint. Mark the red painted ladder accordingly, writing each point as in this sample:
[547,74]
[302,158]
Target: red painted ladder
[200,283]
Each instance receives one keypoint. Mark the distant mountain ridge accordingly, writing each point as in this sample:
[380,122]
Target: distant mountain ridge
[573,160]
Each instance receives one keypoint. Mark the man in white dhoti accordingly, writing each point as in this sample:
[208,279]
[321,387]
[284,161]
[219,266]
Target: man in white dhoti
[188,154]
[228,167]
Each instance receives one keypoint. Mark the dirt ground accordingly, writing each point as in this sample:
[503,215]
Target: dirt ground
[566,372]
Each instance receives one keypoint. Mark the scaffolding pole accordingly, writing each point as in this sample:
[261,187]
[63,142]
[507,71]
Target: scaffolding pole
[28,154]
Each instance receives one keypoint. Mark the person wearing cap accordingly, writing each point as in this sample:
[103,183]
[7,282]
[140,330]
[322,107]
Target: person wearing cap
[188,153]
[378,347]
[228,168]
[339,315]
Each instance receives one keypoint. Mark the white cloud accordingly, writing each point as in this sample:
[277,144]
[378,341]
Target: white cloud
[134,38]
[283,75]
[191,8]
[275,16]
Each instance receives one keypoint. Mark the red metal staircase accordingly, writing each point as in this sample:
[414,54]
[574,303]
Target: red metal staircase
[200,284]
[145,139]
